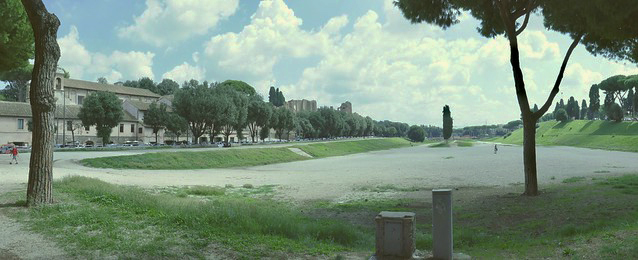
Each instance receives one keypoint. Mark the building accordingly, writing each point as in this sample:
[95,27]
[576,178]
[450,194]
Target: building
[301,105]
[15,117]
[346,107]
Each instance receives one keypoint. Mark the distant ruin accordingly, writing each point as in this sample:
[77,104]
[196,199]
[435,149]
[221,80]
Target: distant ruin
[301,105]
[346,107]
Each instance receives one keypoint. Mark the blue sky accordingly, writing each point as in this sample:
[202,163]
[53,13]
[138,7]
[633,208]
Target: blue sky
[362,51]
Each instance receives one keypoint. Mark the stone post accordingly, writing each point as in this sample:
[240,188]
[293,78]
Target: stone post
[442,224]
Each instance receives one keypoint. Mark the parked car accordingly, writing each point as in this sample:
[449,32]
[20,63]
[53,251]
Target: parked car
[6,148]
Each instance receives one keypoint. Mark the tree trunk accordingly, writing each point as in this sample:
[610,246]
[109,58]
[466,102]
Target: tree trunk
[529,156]
[47,53]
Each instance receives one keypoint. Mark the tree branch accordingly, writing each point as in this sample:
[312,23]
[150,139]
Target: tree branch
[556,88]
[528,12]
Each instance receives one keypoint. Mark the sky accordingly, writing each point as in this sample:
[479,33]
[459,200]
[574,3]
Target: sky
[331,51]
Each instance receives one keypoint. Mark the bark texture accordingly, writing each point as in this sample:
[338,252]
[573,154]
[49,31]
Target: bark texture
[47,53]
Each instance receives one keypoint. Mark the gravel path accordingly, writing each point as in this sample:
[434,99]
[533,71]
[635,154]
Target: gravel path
[336,178]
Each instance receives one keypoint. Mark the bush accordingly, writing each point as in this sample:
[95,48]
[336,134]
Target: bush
[615,113]
[561,115]
[416,133]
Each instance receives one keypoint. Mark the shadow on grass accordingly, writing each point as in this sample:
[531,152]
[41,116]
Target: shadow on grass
[17,204]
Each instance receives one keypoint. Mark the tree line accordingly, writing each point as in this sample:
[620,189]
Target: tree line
[620,100]
[203,109]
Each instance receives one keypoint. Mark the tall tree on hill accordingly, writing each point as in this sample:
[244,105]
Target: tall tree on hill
[628,103]
[104,111]
[615,86]
[594,102]
[583,109]
[156,118]
[272,95]
[615,38]
[102,80]
[573,111]
[447,122]
[280,98]
[44,27]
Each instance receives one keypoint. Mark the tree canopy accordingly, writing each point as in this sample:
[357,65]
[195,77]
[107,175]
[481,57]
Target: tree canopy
[104,110]
[16,36]
[240,86]
[18,80]
[416,133]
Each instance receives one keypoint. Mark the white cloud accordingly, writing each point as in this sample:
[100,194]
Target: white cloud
[83,64]
[534,45]
[185,72]
[166,22]
[274,33]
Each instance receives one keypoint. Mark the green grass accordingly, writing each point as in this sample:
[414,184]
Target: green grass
[322,150]
[562,221]
[196,160]
[591,219]
[573,179]
[227,158]
[439,145]
[597,134]
[94,219]
[464,143]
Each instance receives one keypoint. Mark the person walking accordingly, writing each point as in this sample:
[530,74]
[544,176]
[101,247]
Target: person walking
[14,155]
[495,149]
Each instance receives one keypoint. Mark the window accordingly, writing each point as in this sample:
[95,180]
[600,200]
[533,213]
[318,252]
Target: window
[121,128]
[69,125]
[87,128]
[139,130]
[20,123]
[80,100]
[132,128]
[58,83]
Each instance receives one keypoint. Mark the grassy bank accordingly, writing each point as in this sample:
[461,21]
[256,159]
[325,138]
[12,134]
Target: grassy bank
[196,160]
[226,158]
[93,219]
[350,147]
[597,134]
[580,218]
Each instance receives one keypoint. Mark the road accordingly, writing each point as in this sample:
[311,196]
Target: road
[337,178]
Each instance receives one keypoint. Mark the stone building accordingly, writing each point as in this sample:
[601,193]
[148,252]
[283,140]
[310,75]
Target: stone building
[346,107]
[301,105]
[15,117]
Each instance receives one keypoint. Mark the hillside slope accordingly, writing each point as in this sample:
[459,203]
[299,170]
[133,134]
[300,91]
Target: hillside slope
[583,133]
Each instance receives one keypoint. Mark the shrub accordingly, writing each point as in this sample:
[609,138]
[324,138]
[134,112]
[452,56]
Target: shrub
[416,133]
[615,113]
[561,115]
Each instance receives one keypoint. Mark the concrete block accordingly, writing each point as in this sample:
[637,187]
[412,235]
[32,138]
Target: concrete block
[395,237]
